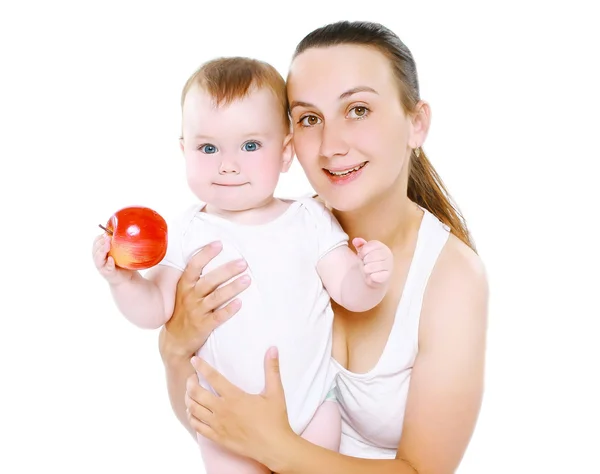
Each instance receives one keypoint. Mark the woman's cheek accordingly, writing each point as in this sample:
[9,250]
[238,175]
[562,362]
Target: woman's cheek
[306,148]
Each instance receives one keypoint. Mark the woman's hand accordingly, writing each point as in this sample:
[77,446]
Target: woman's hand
[255,426]
[198,299]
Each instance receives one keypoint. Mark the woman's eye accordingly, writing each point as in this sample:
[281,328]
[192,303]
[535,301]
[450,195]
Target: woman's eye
[208,149]
[309,121]
[358,112]
[251,146]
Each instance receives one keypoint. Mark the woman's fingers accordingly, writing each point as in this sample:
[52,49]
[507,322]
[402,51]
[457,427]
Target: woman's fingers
[208,286]
[223,314]
[194,267]
[197,411]
[217,277]
[203,302]
[219,383]
[202,429]
[199,417]
[224,294]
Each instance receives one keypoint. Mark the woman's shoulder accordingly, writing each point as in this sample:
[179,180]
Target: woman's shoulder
[457,290]
[457,259]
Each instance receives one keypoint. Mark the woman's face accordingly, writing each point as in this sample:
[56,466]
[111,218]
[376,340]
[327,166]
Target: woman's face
[351,134]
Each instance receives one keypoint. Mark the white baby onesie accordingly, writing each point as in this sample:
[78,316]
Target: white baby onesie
[285,305]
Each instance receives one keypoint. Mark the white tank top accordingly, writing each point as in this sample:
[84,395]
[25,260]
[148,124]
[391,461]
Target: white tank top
[373,404]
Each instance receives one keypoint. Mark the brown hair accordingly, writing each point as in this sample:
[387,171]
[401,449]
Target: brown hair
[425,186]
[232,78]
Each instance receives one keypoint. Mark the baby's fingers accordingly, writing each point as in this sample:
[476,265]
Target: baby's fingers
[110,265]
[101,249]
[376,267]
[358,243]
[380,276]
[99,241]
[377,255]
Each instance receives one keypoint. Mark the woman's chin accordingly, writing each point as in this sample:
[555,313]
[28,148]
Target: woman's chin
[343,201]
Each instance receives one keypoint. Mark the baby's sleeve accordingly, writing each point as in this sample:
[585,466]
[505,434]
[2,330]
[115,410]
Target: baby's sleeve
[176,229]
[330,234]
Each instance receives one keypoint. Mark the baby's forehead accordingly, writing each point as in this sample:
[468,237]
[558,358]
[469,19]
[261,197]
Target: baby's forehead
[257,110]
[237,110]
[233,126]
[200,96]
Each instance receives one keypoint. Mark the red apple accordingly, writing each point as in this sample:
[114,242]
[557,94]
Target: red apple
[138,237]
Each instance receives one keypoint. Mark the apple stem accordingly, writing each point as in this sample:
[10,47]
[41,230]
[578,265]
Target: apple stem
[105,229]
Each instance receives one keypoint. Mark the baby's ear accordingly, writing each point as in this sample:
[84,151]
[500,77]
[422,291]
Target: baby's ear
[287,154]
[181,144]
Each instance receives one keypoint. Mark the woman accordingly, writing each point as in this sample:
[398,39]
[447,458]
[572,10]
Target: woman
[410,371]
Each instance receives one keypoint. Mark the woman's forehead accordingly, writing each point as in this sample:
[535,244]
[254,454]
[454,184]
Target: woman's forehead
[336,69]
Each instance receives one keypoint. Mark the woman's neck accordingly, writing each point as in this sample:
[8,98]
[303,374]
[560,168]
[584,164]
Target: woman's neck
[392,219]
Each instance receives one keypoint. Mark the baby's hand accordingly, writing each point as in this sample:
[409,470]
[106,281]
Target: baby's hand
[106,265]
[378,261]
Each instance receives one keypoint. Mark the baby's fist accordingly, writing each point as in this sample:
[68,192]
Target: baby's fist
[378,261]
[106,264]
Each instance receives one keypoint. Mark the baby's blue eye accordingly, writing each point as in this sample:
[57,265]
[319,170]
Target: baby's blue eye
[251,146]
[208,149]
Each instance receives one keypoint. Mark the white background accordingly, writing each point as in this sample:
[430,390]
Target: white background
[89,120]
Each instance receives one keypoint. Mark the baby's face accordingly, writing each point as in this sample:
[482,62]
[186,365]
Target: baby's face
[234,153]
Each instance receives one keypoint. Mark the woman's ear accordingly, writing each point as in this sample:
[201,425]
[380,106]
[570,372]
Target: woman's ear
[287,153]
[421,120]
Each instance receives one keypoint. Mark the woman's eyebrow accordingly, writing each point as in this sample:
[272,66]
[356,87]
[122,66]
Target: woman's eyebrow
[299,103]
[343,95]
[355,90]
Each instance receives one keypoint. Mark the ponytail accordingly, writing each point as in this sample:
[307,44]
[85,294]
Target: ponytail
[425,187]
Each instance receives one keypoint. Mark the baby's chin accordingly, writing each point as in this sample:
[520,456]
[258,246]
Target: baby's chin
[223,203]
[229,207]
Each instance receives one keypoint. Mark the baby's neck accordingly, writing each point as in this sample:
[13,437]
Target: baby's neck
[265,212]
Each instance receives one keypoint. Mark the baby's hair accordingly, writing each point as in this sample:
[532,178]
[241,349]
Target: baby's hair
[227,79]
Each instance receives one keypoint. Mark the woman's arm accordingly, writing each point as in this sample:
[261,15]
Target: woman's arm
[196,314]
[325,461]
[447,380]
[257,426]
[177,371]
[443,401]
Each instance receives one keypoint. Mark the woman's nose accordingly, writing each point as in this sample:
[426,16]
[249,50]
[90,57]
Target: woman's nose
[333,141]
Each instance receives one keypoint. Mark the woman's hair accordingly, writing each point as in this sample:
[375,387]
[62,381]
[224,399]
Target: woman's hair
[425,187]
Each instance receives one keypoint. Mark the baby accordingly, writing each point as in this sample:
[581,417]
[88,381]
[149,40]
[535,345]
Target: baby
[236,140]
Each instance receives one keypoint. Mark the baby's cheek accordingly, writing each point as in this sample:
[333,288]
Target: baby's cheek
[198,182]
[264,173]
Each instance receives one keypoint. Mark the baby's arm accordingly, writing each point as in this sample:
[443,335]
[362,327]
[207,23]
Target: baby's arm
[357,281]
[147,301]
